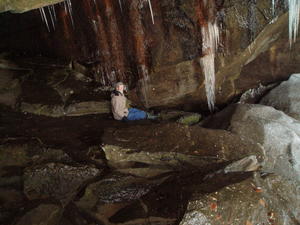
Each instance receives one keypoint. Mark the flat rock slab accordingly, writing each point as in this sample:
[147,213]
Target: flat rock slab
[76,109]
[55,180]
[174,137]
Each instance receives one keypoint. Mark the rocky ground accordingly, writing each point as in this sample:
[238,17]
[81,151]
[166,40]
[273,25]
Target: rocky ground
[65,161]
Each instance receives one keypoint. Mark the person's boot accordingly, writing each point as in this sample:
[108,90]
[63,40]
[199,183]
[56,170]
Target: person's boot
[151,116]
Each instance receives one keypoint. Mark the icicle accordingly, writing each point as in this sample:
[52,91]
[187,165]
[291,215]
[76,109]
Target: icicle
[70,11]
[51,17]
[41,15]
[273,7]
[151,11]
[294,11]
[210,35]
[54,12]
[65,5]
[44,17]
[208,65]
[120,4]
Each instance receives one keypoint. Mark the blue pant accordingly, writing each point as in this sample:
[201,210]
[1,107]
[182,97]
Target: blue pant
[136,114]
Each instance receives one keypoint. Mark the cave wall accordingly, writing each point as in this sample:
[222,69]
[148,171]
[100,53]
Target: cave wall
[160,61]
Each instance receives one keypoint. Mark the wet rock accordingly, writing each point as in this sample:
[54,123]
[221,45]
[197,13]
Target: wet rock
[173,141]
[190,119]
[246,164]
[10,87]
[21,155]
[10,198]
[80,69]
[172,115]
[68,83]
[12,181]
[254,201]
[76,109]
[150,164]
[253,95]
[42,215]
[44,110]
[285,97]
[86,108]
[58,181]
[117,188]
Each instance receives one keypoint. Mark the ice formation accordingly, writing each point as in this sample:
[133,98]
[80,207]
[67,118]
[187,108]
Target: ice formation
[120,4]
[273,7]
[210,41]
[294,11]
[151,11]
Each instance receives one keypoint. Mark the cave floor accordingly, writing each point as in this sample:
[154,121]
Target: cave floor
[75,135]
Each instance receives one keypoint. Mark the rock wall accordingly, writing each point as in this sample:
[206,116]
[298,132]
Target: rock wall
[161,61]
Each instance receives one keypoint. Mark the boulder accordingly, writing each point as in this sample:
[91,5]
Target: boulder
[253,95]
[277,133]
[55,180]
[42,215]
[285,97]
[269,200]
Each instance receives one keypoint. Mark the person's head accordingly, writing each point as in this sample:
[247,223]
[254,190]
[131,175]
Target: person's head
[119,87]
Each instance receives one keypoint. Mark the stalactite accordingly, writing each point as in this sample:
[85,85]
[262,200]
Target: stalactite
[44,18]
[69,3]
[121,7]
[294,11]
[51,17]
[151,11]
[210,41]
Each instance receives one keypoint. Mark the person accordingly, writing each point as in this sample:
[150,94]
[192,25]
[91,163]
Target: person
[120,108]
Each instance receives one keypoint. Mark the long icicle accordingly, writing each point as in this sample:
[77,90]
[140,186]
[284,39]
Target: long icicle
[51,17]
[70,11]
[45,18]
[54,12]
[40,9]
[151,11]
[210,41]
[294,11]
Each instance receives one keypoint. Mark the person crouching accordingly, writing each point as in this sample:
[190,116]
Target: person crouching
[120,108]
